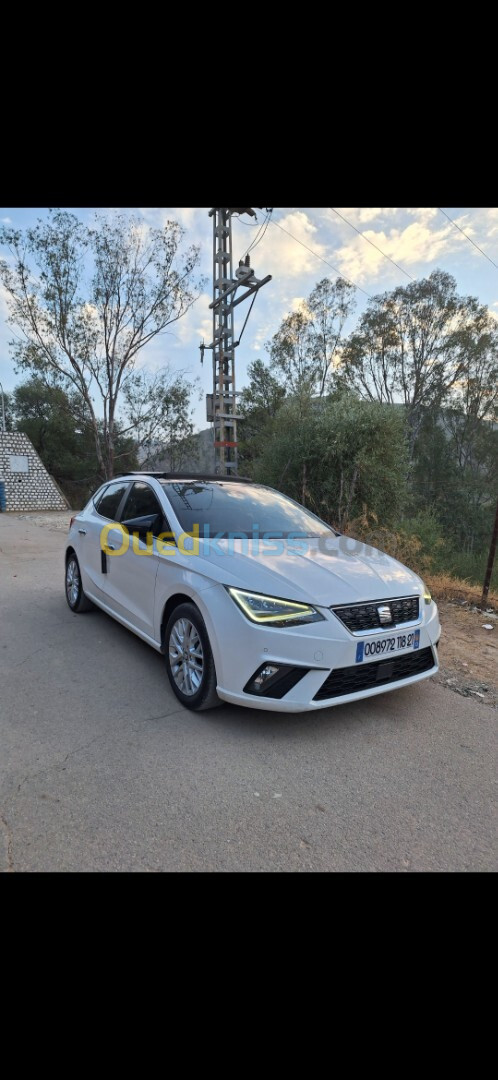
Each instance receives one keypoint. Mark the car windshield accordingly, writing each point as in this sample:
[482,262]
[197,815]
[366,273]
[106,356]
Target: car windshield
[219,508]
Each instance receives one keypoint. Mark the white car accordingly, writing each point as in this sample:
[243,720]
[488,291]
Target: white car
[250,597]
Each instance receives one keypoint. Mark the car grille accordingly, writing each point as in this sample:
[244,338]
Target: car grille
[351,680]
[366,617]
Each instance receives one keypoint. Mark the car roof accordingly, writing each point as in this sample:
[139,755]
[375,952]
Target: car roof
[207,477]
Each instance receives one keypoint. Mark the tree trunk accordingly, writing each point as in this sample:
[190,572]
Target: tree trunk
[110,440]
[350,497]
[491,559]
[339,501]
[98,446]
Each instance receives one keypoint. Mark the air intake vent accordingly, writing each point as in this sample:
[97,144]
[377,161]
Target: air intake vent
[351,680]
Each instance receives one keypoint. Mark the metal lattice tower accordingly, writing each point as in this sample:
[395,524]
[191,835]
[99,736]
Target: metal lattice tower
[223,411]
[225,428]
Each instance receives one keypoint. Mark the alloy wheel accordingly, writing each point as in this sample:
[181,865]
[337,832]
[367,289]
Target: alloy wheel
[72,582]
[186,657]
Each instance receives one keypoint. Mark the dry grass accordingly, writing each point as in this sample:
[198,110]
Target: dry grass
[408,550]
[445,587]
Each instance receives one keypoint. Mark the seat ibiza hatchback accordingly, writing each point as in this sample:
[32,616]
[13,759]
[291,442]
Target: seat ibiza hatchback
[250,597]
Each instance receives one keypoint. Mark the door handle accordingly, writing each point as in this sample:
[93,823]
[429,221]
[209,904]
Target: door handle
[111,547]
[82,532]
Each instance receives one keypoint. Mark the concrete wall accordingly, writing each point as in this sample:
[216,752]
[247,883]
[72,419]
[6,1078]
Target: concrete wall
[31,490]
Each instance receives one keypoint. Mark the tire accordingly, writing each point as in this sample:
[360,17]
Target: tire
[189,660]
[75,596]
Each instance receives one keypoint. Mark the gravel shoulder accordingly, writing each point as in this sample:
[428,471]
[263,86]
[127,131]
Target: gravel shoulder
[468,652]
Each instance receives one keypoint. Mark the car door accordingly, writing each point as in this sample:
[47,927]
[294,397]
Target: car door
[103,511]
[129,583]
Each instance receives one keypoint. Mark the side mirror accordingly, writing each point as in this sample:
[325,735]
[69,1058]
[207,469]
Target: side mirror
[143,525]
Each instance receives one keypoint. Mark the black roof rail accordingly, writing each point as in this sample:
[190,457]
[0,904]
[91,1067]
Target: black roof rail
[187,476]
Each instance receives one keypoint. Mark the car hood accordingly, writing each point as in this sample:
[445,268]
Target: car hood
[339,570]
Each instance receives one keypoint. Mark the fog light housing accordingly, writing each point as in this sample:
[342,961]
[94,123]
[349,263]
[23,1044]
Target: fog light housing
[265,674]
[274,680]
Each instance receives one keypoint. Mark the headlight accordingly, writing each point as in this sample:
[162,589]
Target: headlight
[270,611]
[426,594]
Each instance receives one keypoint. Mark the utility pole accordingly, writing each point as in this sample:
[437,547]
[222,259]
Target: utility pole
[491,559]
[221,408]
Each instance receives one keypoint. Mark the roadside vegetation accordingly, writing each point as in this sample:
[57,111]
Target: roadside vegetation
[390,434]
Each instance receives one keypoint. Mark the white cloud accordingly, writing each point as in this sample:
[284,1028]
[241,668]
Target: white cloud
[6,221]
[360,215]
[490,226]
[417,244]
[481,224]
[423,213]
[277,251]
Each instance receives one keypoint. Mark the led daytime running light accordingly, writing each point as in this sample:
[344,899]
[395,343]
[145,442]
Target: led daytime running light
[284,611]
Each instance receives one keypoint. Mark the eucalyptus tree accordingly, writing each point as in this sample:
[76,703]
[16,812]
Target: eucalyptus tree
[86,299]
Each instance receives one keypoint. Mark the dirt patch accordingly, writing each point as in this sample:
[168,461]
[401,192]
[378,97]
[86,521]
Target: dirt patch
[57,520]
[468,653]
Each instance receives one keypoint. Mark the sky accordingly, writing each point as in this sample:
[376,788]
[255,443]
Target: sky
[299,247]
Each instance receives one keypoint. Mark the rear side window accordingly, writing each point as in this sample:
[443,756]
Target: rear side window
[110,499]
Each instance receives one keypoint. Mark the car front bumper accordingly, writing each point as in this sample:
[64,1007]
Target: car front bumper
[241,647]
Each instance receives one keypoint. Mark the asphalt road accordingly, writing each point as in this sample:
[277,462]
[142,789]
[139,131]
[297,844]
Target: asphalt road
[102,770]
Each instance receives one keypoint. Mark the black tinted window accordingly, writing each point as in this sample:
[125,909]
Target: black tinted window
[141,502]
[248,508]
[109,501]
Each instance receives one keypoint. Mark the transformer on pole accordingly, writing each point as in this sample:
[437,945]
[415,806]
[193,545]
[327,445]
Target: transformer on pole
[221,408]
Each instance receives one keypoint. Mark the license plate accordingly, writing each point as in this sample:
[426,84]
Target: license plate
[386,646]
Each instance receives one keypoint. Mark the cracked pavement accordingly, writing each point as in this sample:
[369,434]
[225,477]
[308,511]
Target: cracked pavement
[102,770]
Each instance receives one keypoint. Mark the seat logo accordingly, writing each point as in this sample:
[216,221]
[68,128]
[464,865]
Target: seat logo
[385,614]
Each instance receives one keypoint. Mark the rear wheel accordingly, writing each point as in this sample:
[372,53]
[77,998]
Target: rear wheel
[75,596]
[189,660]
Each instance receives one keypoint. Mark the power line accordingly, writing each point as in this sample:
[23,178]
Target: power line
[259,235]
[317,256]
[350,223]
[252,224]
[257,239]
[469,238]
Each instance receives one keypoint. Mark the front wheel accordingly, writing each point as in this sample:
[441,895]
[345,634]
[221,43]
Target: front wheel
[75,596]
[189,660]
